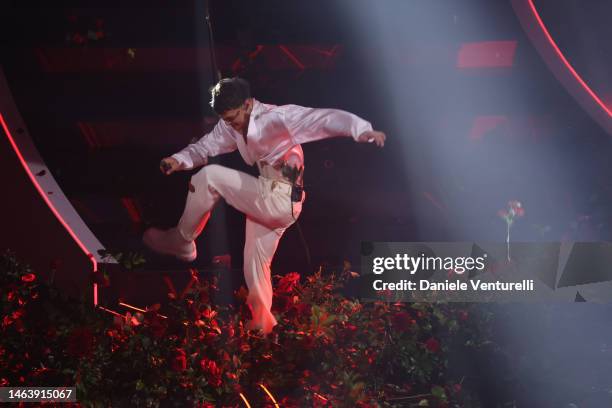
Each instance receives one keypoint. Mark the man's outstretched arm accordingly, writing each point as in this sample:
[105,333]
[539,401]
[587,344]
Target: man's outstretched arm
[218,141]
[310,124]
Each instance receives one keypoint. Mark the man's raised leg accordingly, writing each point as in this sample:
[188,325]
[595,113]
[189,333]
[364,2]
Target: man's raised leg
[206,187]
[269,213]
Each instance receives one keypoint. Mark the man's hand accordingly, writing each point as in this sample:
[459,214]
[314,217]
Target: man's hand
[169,165]
[372,136]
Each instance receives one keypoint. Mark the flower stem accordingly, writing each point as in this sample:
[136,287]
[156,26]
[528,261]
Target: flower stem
[508,240]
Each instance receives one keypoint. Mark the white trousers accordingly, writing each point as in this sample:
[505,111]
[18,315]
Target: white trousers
[268,207]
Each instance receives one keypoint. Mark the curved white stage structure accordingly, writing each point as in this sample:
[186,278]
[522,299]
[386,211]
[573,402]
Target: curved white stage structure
[39,223]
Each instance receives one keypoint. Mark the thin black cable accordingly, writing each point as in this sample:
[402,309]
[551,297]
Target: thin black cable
[302,238]
[216,79]
[304,244]
[213,56]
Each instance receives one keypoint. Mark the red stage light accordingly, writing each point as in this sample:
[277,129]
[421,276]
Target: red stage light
[488,54]
[566,62]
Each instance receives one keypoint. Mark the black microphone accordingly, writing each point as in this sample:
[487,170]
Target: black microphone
[166,167]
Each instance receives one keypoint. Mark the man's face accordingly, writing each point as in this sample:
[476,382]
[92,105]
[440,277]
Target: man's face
[238,118]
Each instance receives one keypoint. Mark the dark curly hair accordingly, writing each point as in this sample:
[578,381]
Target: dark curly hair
[229,93]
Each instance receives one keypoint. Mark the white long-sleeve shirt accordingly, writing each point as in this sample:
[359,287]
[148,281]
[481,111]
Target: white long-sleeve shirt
[273,132]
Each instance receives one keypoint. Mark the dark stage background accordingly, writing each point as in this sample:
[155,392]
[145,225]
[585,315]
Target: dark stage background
[473,114]
[474,117]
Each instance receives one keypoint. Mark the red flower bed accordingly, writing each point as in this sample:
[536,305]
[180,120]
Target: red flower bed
[326,351]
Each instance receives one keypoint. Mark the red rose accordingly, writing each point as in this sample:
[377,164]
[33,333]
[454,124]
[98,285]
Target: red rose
[432,345]
[17,314]
[210,337]
[514,204]
[179,361]
[516,208]
[288,283]
[40,371]
[225,356]
[208,314]
[30,277]
[212,371]
[350,327]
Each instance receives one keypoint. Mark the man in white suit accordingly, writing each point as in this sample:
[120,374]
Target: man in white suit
[269,136]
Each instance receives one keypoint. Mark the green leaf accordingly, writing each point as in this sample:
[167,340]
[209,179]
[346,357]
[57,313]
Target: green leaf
[438,392]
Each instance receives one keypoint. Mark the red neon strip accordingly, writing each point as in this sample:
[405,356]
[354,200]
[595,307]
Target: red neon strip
[566,62]
[85,133]
[44,61]
[329,53]
[292,57]
[236,64]
[50,204]
[94,136]
[132,210]
[90,134]
[256,52]
[435,202]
